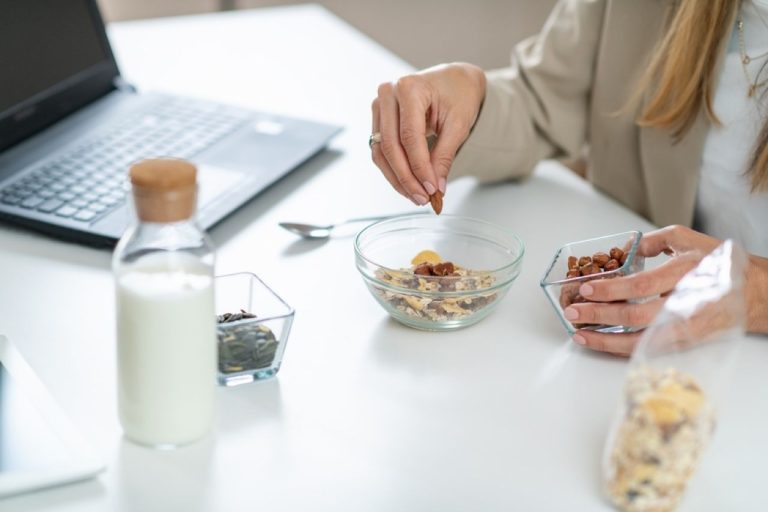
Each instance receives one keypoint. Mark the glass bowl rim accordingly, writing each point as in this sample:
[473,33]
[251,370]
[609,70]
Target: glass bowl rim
[414,216]
[290,310]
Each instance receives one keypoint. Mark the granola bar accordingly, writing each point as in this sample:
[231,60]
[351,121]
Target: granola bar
[659,443]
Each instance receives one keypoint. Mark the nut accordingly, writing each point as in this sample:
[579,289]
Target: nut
[595,264]
[600,258]
[443,269]
[589,269]
[623,258]
[436,200]
[423,269]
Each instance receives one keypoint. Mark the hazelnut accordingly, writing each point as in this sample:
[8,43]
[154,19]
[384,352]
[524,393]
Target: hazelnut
[616,253]
[612,265]
[443,269]
[423,269]
[567,294]
[574,272]
[600,258]
[573,263]
[623,258]
[589,269]
[584,260]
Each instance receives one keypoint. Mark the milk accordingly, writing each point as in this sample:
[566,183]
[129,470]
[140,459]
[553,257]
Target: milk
[166,330]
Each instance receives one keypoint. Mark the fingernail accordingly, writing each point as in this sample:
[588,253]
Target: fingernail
[571,313]
[441,185]
[586,290]
[430,188]
[579,339]
[419,199]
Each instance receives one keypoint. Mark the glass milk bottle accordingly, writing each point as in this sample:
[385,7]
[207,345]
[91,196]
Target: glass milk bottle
[166,322]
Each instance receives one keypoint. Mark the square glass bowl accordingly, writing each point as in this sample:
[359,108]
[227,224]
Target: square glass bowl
[249,348]
[563,291]
[487,259]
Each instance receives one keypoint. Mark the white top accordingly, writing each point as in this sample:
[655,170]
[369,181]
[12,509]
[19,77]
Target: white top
[726,208]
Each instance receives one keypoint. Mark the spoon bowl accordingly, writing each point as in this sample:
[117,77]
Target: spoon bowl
[310,231]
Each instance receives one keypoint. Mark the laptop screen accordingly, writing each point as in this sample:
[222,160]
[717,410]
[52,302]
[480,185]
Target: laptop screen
[54,58]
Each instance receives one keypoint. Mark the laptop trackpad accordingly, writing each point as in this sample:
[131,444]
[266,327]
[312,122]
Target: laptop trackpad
[213,182]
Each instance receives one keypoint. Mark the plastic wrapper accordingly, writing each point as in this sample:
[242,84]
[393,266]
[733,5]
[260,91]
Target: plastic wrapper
[669,407]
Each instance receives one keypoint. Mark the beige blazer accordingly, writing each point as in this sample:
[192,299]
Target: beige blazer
[565,91]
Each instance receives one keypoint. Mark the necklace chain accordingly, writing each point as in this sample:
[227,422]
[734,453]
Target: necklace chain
[754,84]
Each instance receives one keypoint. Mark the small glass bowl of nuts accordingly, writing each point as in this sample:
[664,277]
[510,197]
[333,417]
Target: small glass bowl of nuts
[575,263]
[438,273]
[253,324]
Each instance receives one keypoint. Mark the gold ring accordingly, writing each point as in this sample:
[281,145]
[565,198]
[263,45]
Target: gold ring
[375,138]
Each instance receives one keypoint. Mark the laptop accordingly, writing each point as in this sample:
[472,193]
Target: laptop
[39,446]
[70,126]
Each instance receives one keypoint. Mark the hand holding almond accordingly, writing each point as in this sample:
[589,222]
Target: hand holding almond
[444,101]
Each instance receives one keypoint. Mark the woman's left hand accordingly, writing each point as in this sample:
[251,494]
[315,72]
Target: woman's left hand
[686,248]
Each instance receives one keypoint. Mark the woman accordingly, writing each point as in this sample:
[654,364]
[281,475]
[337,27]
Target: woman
[666,97]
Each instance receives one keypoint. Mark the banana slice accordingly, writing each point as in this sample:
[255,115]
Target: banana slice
[427,256]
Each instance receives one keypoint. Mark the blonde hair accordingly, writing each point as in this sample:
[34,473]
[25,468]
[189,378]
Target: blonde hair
[681,75]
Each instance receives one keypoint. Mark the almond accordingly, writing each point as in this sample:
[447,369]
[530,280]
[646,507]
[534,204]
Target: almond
[436,200]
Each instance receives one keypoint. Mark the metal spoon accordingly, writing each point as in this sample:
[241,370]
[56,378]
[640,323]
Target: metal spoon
[316,232]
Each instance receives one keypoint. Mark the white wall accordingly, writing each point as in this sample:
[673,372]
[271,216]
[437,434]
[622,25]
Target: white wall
[423,32]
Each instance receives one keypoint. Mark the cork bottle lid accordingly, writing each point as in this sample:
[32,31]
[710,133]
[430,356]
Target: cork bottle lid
[164,189]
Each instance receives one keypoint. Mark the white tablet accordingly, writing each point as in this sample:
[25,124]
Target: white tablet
[39,446]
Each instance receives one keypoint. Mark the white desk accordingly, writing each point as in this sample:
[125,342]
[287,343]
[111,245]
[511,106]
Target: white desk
[365,414]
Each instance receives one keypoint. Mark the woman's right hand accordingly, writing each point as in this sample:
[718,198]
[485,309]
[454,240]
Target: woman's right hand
[444,101]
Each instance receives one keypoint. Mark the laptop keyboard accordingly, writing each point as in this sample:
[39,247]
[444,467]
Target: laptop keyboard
[89,180]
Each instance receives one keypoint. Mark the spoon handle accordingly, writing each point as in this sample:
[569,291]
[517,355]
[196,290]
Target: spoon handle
[378,217]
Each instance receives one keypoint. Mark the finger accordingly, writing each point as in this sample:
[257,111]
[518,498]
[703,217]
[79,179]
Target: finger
[389,126]
[378,157]
[375,106]
[643,284]
[614,313]
[619,344]
[656,242]
[386,170]
[673,240]
[451,137]
[413,101]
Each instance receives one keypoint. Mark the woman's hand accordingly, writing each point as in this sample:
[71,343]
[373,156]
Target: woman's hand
[443,101]
[686,248]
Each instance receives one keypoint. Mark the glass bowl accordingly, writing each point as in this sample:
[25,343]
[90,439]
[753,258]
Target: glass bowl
[249,348]
[486,258]
[563,291]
